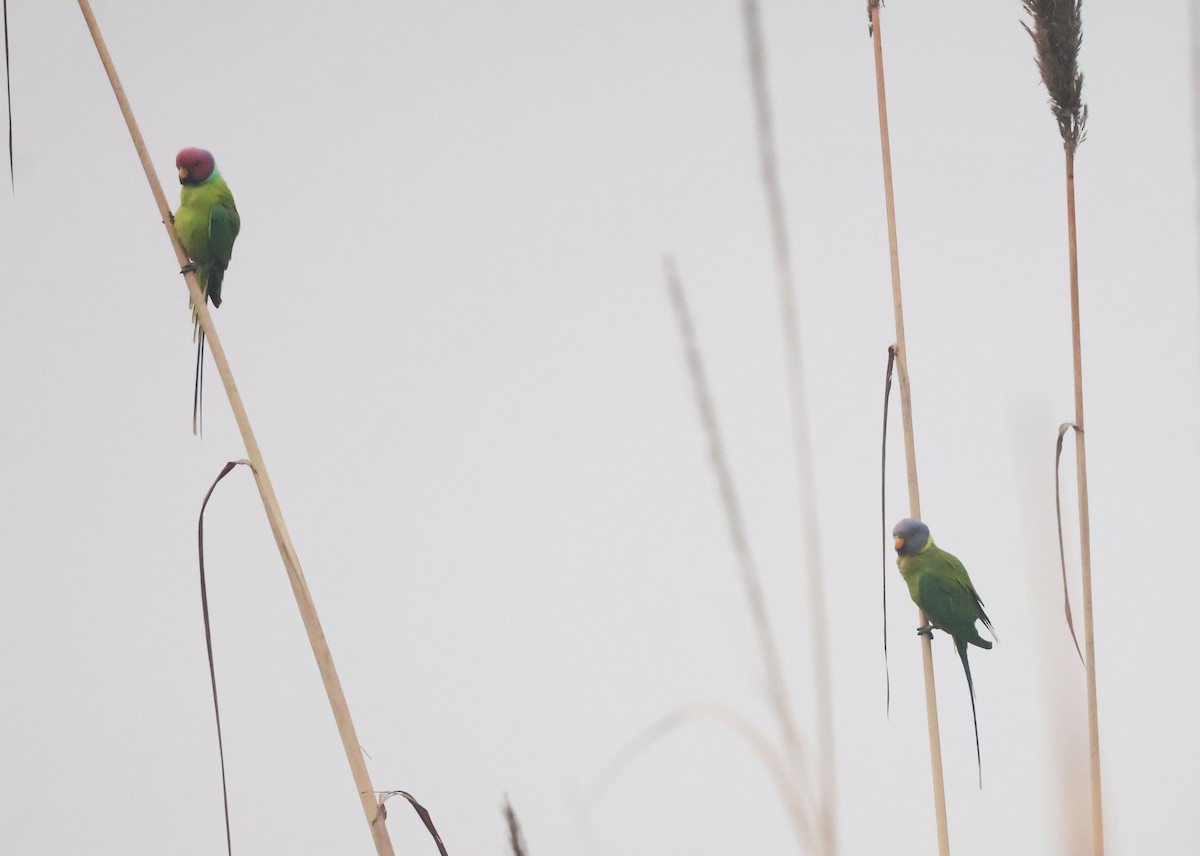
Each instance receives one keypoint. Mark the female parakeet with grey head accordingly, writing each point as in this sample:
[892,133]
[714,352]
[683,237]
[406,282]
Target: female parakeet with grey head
[940,586]
[207,223]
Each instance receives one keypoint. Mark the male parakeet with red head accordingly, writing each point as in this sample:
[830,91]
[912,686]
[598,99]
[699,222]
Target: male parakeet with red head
[940,586]
[207,223]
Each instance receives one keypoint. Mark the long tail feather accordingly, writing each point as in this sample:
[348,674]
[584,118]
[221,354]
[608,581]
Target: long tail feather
[961,645]
[198,389]
[198,337]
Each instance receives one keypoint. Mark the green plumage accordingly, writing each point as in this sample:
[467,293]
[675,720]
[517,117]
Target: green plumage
[207,222]
[939,584]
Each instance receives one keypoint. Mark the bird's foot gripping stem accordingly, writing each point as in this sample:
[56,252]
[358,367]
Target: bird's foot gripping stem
[925,630]
[190,267]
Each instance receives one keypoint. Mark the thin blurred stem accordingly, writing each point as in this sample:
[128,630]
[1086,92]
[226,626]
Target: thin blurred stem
[1194,26]
[801,436]
[740,725]
[910,452]
[776,684]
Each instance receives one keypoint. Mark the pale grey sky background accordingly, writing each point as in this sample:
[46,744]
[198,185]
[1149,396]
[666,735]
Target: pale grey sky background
[447,318]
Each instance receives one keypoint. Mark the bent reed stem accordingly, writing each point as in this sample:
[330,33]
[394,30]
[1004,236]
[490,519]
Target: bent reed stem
[308,612]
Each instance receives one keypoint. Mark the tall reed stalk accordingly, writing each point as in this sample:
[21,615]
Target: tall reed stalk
[910,449]
[308,613]
[790,784]
[1057,34]
[801,438]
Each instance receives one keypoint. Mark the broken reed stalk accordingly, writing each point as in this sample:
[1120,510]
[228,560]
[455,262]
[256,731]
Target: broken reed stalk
[772,664]
[1057,34]
[308,612]
[910,449]
[801,436]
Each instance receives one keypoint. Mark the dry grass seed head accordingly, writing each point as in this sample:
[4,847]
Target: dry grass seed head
[1057,34]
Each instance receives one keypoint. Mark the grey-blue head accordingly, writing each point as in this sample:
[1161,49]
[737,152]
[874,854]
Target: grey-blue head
[911,536]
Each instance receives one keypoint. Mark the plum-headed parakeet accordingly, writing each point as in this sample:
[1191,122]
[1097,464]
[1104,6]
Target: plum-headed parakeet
[940,586]
[207,223]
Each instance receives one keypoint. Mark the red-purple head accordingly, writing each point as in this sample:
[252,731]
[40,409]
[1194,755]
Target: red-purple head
[194,165]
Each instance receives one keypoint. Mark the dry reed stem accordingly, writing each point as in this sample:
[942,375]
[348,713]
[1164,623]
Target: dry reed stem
[910,452]
[308,612]
[1057,34]
[801,434]
[780,772]
[773,666]
[1085,527]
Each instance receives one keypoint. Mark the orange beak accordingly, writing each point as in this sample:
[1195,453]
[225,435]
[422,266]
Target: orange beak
[899,543]
[183,173]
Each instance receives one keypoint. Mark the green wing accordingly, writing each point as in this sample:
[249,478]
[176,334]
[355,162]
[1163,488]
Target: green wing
[960,575]
[945,593]
[223,226]
[947,602]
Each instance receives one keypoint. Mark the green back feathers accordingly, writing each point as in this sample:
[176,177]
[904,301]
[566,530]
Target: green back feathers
[208,223]
[938,582]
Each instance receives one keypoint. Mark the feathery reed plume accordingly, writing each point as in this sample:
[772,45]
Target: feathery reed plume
[801,433]
[515,839]
[773,666]
[740,725]
[910,448]
[1057,34]
[291,562]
